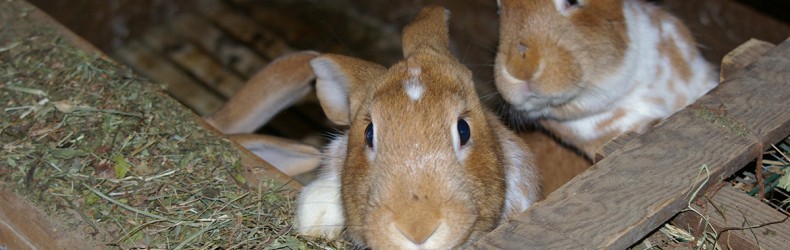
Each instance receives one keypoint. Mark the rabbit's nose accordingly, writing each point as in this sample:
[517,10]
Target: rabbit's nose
[418,231]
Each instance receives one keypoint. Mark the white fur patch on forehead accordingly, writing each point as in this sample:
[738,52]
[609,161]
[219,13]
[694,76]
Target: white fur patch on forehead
[412,85]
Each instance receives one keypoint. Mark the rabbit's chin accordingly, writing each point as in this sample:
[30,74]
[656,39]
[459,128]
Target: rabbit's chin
[533,105]
[443,238]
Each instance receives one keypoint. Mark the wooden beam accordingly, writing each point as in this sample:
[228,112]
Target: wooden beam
[733,62]
[729,207]
[245,28]
[750,223]
[614,144]
[650,179]
[194,60]
[179,85]
[230,52]
[25,226]
[741,56]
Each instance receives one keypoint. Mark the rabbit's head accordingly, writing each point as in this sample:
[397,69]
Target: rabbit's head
[553,51]
[424,167]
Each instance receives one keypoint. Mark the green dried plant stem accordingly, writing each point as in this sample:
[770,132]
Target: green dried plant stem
[770,183]
[127,207]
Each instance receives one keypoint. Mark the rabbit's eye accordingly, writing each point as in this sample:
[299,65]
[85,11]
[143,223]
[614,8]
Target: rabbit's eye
[564,6]
[464,132]
[369,135]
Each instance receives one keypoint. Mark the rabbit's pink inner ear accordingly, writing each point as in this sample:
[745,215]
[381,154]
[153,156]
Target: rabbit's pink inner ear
[428,31]
[332,88]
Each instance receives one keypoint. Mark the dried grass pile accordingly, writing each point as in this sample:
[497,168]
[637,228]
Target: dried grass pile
[94,145]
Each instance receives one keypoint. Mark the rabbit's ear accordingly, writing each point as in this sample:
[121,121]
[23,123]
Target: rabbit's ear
[290,157]
[282,83]
[428,32]
[340,84]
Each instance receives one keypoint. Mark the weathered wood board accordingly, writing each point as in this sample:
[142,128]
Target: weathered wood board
[195,61]
[231,53]
[651,178]
[178,84]
[246,29]
[749,223]
[741,56]
[23,226]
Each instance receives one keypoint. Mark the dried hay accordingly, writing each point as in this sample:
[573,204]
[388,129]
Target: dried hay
[93,144]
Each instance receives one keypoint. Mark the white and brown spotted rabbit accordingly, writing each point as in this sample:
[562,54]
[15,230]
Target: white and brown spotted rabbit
[422,165]
[588,70]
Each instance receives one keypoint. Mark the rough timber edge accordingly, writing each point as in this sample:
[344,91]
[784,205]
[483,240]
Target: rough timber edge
[584,214]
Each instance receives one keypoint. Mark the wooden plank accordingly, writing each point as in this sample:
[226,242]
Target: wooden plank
[194,60]
[733,62]
[24,226]
[732,204]
[758,97]
[230,52]
[734,209]
[741,56]
[296,31]
[245,28]
[650,179]
[327,26]
[179,85]
[614,144]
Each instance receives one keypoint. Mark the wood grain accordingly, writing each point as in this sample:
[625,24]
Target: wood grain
[24,226]
[733,62]
[734,209]
[178,84]
[246,29]
[231,53]
[640,186]
[614,144]
[194,60]
[741,56]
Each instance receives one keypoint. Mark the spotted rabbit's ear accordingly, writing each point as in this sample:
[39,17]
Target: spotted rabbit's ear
[340,84]
[428,32]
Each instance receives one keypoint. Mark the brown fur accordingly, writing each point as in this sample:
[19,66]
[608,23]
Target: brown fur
[556,163]
[679,65]
[280,84]
[604,33]
[413,181]
[444,100]
[583,76]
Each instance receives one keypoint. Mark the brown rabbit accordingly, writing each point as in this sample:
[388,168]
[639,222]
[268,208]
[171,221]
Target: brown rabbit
[588,70]
[422,165]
